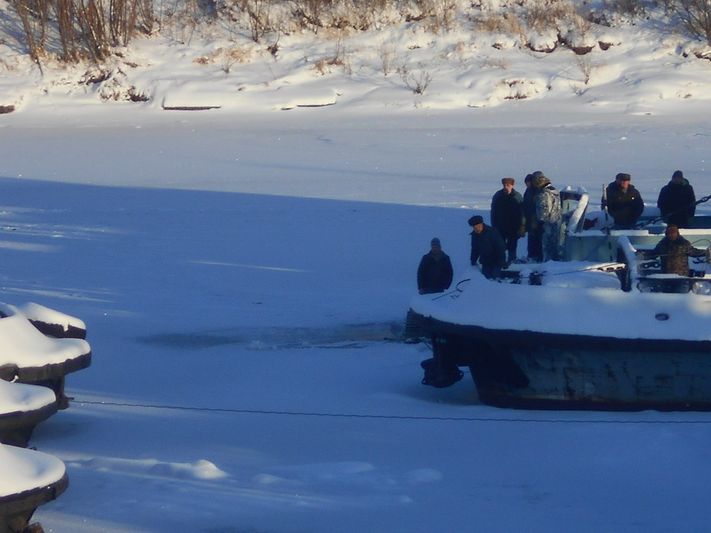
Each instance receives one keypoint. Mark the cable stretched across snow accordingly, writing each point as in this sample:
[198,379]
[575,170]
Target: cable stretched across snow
[78,402]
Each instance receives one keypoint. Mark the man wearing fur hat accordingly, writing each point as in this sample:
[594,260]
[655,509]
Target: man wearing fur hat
[549,215]
[677,201]
[507,216]
[624,203]
[674,251]
[488,248]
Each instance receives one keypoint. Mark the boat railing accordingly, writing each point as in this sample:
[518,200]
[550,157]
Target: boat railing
[574,202]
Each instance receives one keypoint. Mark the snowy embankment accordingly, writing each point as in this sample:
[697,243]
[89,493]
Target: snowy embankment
[487,55]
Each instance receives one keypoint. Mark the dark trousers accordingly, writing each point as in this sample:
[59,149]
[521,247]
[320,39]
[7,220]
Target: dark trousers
[491,271]
[535,244]
[511,245]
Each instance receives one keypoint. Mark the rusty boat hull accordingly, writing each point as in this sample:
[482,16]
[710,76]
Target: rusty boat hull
[535,370]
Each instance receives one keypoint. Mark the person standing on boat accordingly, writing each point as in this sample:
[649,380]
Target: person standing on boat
[507,216]
[488,248]
[624,203]
[533,228]
[435,271]
[674,251]
[549,215]
[677,201]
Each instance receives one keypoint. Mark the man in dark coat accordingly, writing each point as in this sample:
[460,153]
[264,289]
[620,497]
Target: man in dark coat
[488,248]
[507,216]
[674,251]
[624,203]
[435,271]
[677,201]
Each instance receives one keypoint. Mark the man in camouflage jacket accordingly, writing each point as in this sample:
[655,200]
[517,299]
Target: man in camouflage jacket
[674,251]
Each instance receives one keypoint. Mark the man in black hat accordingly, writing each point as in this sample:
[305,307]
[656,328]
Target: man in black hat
[677,201]
[435,271]
[488,248]
[623,202]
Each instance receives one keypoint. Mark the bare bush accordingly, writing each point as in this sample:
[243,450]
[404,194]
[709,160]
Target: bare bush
[696,17]
[586,67]
[179,19]
[633,8]
[440,15]
[83,28]
[506,23]
[311,13]
[33,17]
[387,58]
[258,12]
[232,57]
[541,15]
[417,81]
[122,18]
[65,14]
[359,15]
[339,59]
[92,22]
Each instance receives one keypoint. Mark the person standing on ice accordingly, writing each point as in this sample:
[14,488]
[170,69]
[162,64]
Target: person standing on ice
[488,248]
[435,271]
[623,202]
[549,215]
[507,216]
[677,201]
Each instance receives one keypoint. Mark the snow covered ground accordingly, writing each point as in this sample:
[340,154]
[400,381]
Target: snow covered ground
[238,277]
[243,274]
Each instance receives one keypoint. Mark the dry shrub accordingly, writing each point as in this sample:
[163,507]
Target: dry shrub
[628,7]
[388,56]
[696,17]
[359,15]
[439,16]
[542,15]
[506,23]
[338,59]
[82,28]
[226,57]
[416,80]
[233,56]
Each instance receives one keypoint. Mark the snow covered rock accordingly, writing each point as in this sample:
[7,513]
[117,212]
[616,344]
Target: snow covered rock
[22,407]
[28,356]
[29,479]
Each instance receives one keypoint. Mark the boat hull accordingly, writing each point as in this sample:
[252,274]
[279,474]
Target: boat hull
[534,370]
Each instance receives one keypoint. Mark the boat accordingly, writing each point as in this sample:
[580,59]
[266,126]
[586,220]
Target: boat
[602,329]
